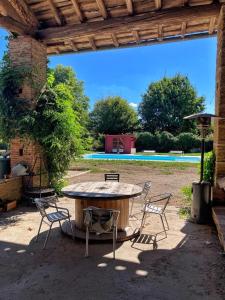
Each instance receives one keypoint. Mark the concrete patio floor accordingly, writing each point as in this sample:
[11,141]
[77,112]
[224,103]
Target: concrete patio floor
[186,265]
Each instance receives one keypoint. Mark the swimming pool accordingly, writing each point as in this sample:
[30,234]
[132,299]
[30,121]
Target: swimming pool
[164,158]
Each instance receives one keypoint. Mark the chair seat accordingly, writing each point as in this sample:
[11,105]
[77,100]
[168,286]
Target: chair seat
[57,216]
[153,209]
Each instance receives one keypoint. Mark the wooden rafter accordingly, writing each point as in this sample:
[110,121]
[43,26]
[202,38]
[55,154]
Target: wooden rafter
[54,11]
[23,12]
[130,6]
[114,39]
[183,28]
[158,4]
[212,25]
[72,45]
[102,8]
[77,10]
[92,43]
[137,22]
[136,36]
[160,32]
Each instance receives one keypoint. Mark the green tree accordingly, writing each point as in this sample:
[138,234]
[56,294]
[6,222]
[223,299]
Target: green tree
[113,115]
[65,75]
[165,104]
[63,80]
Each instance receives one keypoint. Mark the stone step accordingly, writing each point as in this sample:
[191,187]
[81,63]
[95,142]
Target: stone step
[218,213]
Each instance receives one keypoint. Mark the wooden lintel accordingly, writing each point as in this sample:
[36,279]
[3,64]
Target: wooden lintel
[102,8]
[92,43]
[114,39]
[129,23]
[136,36]
[183,28]
[130,7]
[77,10]
[212,25]
[14,26]
[54,11]
[158,4]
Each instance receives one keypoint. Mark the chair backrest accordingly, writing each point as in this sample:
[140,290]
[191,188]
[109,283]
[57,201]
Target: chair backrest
[41,206]
[100,220]
[146,190]
[163,198]
[112,176]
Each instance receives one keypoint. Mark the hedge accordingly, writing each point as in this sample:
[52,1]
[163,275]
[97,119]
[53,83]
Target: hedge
[165,142]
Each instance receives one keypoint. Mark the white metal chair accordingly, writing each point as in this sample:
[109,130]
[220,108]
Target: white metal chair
[60,214]
[153,206]
[142,198]
[101,221]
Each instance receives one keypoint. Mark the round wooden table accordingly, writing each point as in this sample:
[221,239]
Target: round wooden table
[104,194]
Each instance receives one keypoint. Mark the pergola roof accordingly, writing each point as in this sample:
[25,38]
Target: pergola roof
[85,25]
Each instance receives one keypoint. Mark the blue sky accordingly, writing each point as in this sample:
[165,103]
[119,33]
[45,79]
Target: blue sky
[128,72]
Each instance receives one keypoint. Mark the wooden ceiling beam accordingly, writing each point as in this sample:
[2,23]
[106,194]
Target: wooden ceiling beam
[92,43]
[183,29]
[158,4]
[212,25]
[130,6]
[114,39]
[24,12]
[102,8]
[55,12]
[77,10]
[136,36]
[13,25]
[130,23]
[72,45]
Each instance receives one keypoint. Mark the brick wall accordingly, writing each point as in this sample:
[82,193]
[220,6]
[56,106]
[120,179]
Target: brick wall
[27,52]
[219,128]
[11,189]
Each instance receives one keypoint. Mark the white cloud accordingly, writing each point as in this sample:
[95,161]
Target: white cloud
[134,105]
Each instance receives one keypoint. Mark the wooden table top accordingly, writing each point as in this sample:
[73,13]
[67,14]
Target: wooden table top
[102,190]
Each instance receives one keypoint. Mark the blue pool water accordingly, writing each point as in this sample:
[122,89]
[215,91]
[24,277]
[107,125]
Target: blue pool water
[165,158]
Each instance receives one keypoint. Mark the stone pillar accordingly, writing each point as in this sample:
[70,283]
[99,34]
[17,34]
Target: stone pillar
[30,54]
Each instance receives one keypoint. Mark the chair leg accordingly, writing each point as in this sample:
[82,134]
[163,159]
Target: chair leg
[166,221]
[39,230]
[72,229]
[87,240]
[163,225]
[114,242]
[46,240]
[143,220]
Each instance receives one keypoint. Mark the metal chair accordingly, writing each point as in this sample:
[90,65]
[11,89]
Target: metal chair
[112,177]
[151,208]
[143,198]
[101,221]
[60,214]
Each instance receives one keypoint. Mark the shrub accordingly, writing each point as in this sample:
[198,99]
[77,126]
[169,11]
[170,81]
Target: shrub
[146,141]
[185,210]
[187,141]
[99,143]
[167,142]
[209,167]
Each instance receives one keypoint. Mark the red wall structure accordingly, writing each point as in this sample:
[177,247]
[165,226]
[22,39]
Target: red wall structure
[119,143]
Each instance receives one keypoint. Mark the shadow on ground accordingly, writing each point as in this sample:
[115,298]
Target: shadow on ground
[190,269]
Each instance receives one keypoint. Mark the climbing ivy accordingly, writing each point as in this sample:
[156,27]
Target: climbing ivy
[52,122]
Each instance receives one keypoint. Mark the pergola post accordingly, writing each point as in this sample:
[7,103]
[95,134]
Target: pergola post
[27,52]
[219,126]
